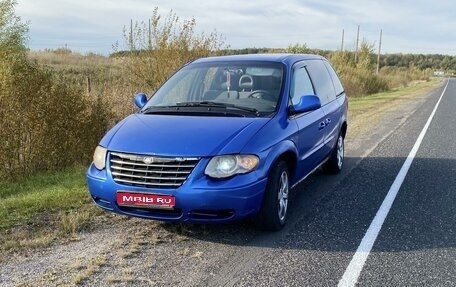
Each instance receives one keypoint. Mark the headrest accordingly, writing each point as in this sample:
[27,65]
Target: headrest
[246,82]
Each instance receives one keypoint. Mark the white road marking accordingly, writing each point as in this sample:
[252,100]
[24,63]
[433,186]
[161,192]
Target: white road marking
[356,265]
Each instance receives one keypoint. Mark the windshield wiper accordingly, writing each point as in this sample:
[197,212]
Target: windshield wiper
[217,105]
[152,109]
[208,104]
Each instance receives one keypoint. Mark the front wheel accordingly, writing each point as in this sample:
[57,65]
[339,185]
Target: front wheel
[336,160]
[274,208]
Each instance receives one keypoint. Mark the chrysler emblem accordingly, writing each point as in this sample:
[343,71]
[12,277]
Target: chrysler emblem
[148,160]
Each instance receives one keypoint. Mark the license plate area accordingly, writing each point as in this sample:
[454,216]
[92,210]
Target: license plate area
[145,200]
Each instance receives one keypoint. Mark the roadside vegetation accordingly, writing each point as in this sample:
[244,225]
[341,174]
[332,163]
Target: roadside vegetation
[57,104]
[46,122]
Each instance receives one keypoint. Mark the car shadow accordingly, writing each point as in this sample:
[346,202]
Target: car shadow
[333,212]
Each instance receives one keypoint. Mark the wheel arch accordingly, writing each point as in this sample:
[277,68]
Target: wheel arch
[290,158]
[343,129]
[286,151]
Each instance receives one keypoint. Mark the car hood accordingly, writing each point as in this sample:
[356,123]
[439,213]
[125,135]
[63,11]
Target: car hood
[172,135]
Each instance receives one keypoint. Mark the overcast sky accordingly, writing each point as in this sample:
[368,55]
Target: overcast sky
[409,26]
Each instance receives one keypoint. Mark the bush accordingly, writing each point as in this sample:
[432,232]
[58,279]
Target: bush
[358,76]
[46,121]
[397,77]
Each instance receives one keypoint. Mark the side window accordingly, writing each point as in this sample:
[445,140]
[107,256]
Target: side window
[337,84]
[321,80]
[300,85]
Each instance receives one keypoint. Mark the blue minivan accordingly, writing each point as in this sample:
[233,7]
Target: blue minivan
[223,139]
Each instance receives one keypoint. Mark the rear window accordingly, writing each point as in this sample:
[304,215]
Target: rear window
[337,84]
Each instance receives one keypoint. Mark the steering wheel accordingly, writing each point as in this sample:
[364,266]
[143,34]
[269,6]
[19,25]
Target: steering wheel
[262,94]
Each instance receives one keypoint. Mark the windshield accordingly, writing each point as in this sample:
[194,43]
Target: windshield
[243,87]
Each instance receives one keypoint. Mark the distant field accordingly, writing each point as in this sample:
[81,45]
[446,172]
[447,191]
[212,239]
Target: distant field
[100,70]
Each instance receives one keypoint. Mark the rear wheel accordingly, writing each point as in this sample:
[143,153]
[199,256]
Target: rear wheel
[274,208]
[336,161]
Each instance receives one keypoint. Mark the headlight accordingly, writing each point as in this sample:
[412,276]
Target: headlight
[229,165]
[99,157]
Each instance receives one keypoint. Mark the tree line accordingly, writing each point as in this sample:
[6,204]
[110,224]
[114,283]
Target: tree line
[421,61]
[400,60]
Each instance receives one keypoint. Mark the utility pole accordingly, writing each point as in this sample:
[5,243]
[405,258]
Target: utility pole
[150,37]
[357,44]
[342,45]
[379,51]
[89,87]
[131,34]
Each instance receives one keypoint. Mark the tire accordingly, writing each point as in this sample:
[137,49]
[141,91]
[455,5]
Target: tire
[274,208]
[336,160]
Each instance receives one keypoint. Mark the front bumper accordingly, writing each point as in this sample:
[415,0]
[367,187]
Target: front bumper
[198,199]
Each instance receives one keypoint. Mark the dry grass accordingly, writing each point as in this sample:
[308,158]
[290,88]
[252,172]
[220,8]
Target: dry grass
[92,267]
[46,229]
[22,240]
[126,276]
[73,221]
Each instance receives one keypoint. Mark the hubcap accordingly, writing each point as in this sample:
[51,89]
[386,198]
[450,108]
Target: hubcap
[283,196]
[340,151]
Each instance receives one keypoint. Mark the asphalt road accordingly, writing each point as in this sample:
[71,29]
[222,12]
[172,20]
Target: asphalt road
[415,246]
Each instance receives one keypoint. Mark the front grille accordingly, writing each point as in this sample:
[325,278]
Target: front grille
[150,171]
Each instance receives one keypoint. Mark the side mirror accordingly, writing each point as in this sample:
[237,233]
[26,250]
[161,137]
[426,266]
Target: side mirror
[140,100]
[306,104]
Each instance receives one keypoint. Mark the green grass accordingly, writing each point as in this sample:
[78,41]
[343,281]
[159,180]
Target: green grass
[21,202]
